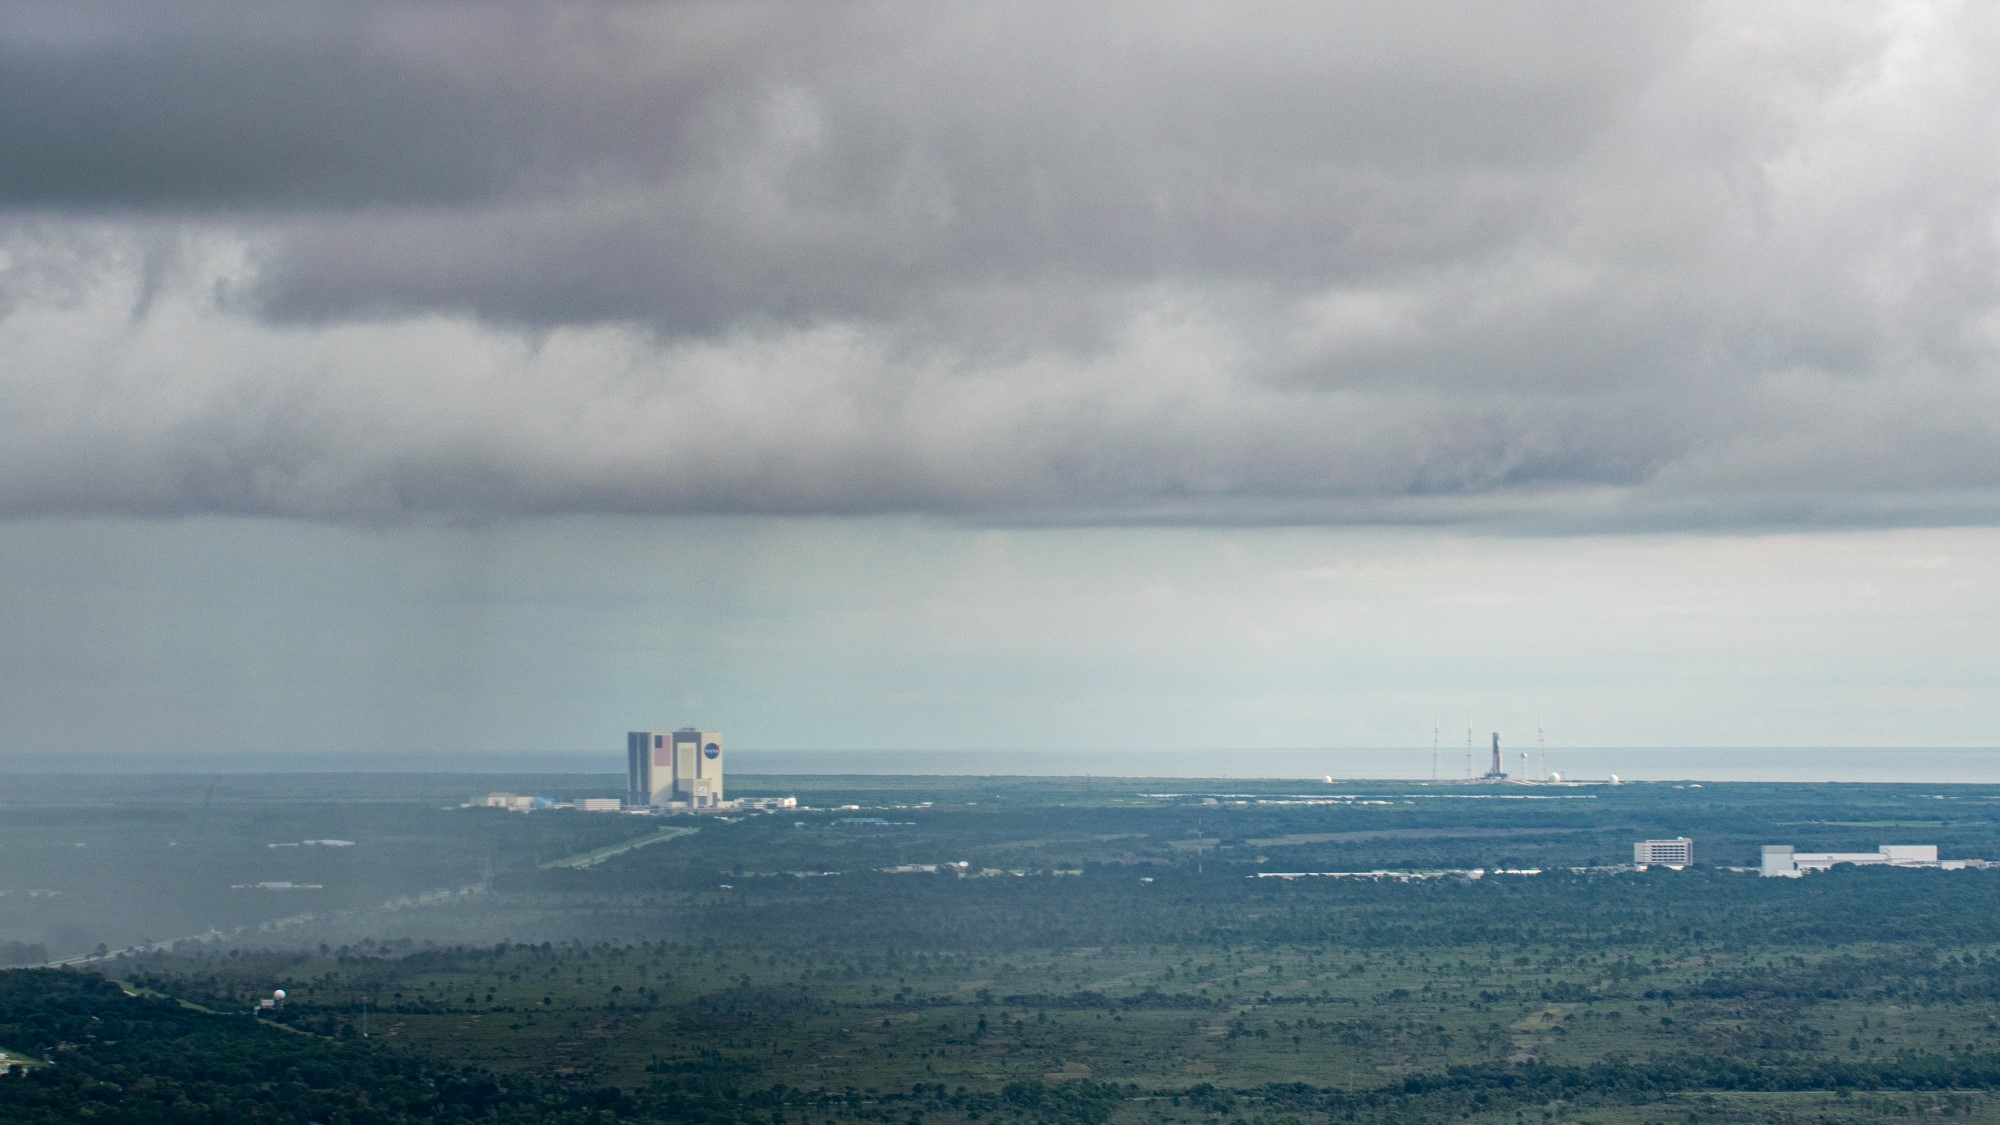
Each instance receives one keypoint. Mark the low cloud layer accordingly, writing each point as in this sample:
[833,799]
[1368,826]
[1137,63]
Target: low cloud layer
[1552,266]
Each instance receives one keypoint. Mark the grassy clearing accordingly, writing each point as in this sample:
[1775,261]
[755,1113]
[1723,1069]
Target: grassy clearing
[596,856]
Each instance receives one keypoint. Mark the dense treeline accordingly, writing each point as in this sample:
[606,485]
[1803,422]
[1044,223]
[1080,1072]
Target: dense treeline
[117,1059]
[1222,905]
[120,1059]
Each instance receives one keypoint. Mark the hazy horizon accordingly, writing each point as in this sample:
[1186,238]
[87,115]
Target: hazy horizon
[1872,765]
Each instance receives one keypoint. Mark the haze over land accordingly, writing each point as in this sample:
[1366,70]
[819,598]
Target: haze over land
[979,949]
[458,377]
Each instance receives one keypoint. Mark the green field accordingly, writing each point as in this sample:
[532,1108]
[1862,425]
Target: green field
[1033,949]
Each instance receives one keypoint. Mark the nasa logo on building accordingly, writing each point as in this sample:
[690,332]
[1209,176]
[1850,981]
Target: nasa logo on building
[711,751]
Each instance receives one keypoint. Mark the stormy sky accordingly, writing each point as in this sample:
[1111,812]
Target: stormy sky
[465,374]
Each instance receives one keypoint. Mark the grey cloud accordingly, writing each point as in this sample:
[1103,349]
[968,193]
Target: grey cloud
[292,109]
[1552,266]
[692,165]
[215,114]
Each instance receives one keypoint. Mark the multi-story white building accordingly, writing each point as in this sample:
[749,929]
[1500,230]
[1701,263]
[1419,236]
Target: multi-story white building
[1675,853]
[669,769]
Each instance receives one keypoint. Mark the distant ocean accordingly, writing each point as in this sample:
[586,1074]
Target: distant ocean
[1971,765]
[1963,765]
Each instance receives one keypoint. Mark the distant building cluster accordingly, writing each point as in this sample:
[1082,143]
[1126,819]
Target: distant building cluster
[1787,862]
[1783,861]
[665,771]
[512,802]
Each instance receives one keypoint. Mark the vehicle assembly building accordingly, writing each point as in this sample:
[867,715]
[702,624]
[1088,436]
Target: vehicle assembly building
[665,772]
[674,769]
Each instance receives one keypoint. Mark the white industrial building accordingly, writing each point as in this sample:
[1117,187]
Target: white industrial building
[674,769]
[509,801]
[1786,862]
[1675,853]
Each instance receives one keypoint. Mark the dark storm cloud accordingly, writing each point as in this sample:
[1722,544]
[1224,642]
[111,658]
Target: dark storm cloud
[1570,264]
[149,107]
[901,160]
[693,165]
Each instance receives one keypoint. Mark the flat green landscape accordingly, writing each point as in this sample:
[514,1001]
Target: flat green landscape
[965,949]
